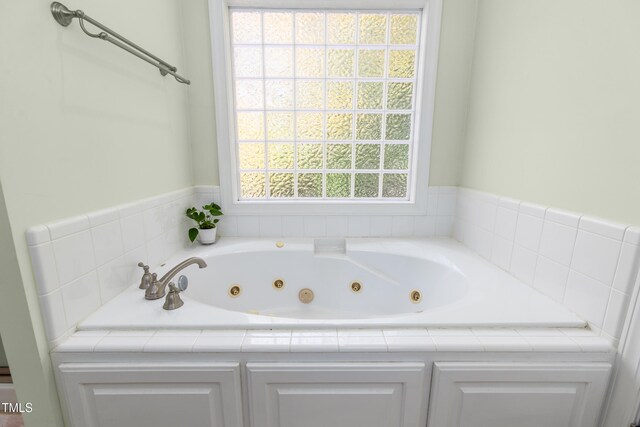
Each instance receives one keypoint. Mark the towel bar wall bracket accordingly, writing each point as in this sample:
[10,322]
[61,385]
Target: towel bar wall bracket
[64,16]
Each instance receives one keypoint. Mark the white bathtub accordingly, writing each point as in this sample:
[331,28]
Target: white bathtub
[456,289]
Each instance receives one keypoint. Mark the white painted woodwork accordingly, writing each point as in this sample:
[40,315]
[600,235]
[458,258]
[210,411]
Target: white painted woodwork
[152,395]
[517,394]
[623,403]
[337,394]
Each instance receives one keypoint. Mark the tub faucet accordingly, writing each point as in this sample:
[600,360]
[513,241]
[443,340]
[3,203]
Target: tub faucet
[157,287]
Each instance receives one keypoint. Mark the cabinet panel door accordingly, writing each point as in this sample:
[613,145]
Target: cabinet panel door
[337,394]
[153,395]
[515,394]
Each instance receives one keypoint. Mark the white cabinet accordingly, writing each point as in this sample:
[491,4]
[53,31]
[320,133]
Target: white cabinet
[337,394]
[152,395]
[291,393]
[517,394]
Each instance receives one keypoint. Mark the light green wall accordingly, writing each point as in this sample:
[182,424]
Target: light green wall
[554,113]
[202,124]
[452,91]
[83,125]
[21,326]
[454,65]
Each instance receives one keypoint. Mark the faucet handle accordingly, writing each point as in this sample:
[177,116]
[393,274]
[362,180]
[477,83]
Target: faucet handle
[173,300]
[183,283]
[155,290]
[145,281]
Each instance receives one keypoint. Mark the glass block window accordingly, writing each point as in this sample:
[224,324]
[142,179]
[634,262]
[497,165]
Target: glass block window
[324,103]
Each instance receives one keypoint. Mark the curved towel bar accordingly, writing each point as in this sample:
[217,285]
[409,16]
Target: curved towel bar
[64,17]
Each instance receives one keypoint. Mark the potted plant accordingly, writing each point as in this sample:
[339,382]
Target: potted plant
[205,218]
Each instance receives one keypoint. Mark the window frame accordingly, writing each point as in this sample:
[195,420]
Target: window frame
[423,122]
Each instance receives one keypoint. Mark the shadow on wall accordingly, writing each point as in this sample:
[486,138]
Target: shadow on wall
[3,356]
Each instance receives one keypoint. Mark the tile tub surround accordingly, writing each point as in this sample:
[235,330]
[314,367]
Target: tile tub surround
[437,221]
[586,263]
[525,340]
[82,262]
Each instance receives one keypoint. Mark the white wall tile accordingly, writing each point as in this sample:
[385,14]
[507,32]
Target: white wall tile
[132,228]
[423,225]
[616,313]
[587,297]
[53,313]
[505,224]
[382,226]
[486,214]
[131,259]
[596,256]
[107,242]
[74,256]
[501,250]
[627,270]
[153,222]
[359,226]
[632,235]
[557,242]
[38,235]
[432,204]
[479,240]
[157,253]
[447,189]
[523,264]
[118,274]
[44,268]
[68,226]
[509,203]
[459,229]
[102,217]
[81,298]
[444,226]
[463,210]
[532,209]
[551,278]
[248,226]
[68,264]
[402,226]
[560,216]
[315,226]
[528,231]
[228,226]
[446,204]
[337,225]
[292,226]
[604,228]
[271,226]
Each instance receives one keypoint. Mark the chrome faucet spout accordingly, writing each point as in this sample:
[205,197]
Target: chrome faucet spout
[157,288]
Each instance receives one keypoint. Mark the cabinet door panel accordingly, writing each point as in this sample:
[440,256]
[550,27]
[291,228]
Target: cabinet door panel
[336,394]
[508,394]
[101,395]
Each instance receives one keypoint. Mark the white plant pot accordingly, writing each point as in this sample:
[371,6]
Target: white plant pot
[207,237]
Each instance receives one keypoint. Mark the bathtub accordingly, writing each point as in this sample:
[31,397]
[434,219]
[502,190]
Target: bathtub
[353,283]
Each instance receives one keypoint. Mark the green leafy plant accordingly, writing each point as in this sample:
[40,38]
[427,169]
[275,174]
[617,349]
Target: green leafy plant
[204,218]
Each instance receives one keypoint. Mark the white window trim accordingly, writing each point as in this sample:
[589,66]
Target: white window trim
[425,101]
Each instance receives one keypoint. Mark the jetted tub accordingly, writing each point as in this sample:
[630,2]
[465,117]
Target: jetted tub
[267,283]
